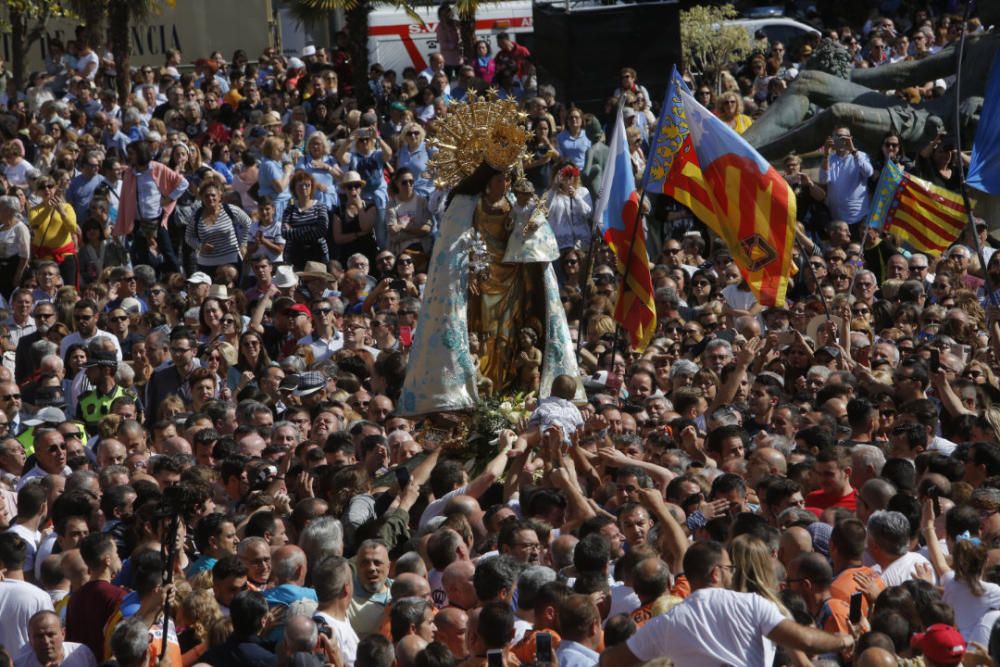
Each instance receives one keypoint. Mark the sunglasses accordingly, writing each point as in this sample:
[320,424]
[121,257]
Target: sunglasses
[120,318]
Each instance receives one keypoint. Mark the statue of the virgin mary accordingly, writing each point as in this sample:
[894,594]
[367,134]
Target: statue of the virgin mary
[491,272]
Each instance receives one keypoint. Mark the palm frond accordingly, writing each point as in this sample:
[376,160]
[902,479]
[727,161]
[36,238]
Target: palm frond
[312,12]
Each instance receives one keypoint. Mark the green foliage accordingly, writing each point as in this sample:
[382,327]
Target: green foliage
[709,46]
[35,10]
[311,12]
[831,57]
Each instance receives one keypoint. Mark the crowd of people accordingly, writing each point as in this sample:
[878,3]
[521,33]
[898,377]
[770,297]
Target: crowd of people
[209,292]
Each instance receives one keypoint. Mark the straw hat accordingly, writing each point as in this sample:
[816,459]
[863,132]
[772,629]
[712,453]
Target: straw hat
[270,118]
[220,292]
[316,270]
[352,177]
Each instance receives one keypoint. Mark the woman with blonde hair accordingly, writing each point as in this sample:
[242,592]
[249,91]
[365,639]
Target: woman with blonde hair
[730,111]
[414,153]
[54,232]
[753,569]
[274,175]
[197,613]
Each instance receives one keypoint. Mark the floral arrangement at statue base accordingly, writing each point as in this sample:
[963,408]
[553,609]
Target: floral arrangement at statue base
[473,436]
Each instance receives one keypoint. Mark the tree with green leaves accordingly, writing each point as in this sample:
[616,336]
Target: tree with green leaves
[708,45]
[26,23]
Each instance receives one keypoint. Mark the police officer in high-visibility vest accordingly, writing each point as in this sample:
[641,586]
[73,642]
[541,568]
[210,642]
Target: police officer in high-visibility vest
[95,405]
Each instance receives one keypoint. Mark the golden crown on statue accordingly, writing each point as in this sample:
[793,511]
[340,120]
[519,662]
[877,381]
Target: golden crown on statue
[486,129]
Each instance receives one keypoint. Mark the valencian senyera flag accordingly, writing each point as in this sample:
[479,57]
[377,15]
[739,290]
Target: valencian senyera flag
[925,217]
[617,213]
[702,163]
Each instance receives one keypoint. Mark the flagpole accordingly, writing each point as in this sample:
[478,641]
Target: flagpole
[588,267]
[991,296]
[812,271]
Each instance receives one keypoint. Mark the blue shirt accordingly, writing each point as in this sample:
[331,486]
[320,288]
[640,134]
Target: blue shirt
[572,654]
[573,149]
[416,161]
[846,182]
[81,191]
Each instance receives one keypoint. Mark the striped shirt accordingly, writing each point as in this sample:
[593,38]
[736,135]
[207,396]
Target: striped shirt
[225,234]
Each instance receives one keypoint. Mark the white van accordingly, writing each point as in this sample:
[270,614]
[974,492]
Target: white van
[396,41]
[776,29]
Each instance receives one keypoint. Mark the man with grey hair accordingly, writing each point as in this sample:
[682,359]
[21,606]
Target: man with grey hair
[412,616]
[289,568]
[718,353]
[333,580]
[866,463]
[529,583]
[301,636]
[889,546]
[130,643]
[320,538]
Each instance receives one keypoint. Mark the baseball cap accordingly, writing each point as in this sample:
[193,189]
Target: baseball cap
[48,415]
[199,278]
[941,643]
[299,308]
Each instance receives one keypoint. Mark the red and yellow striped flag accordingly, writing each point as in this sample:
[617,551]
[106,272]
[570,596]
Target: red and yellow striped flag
[920,214]
[705,165]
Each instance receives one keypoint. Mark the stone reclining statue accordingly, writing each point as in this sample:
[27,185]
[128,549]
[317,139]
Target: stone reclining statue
[860,104]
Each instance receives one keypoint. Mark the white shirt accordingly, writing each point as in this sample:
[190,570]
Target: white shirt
[344,635]
[712,626]
[436,507]
[19,601]
[969,608]
[74,655]
[75,338]
[942,445]
[901,569]
[323,349]
[38,472]
[32,538]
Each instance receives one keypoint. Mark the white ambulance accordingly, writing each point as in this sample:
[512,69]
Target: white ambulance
[397,41]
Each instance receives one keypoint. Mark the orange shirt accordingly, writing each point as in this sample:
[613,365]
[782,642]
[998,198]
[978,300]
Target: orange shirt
[524,650]
[682,587]
[844,585]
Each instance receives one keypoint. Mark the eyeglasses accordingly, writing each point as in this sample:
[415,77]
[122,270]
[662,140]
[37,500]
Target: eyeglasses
[352,186]
[413,134]
[229,320]
[251,342]
[157,291]
[44,316]
[120,318]
[403,260]
[322,311]
[671,251]
[83,318]
[701,283]
[10,397]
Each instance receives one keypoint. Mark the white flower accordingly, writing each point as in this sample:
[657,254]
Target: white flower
[506,407]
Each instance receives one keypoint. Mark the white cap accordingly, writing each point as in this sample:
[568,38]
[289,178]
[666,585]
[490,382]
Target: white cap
[130,305]
[295,63]
[48,415]
[308,50]
[172,71]
[199,278]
